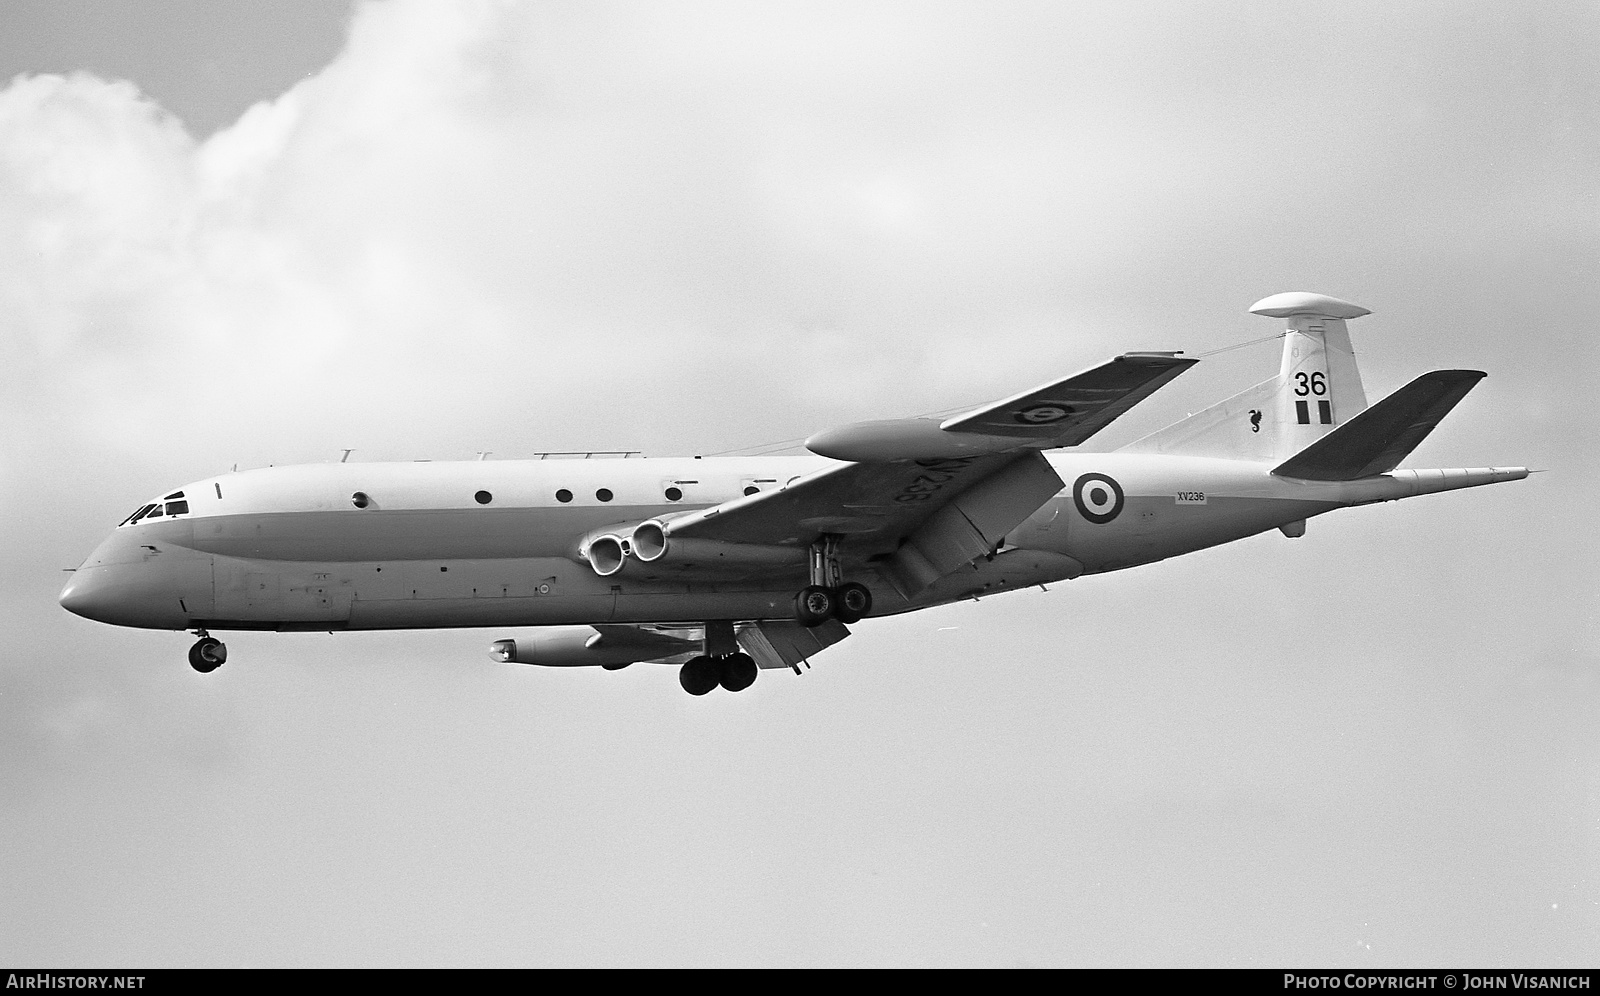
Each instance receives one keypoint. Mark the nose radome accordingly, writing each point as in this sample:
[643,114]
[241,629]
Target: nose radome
[83,596]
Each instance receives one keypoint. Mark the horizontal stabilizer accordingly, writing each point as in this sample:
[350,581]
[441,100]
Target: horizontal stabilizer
[1375,441]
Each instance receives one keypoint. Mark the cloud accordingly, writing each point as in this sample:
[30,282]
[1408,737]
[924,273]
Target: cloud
[481,213]
[526,226]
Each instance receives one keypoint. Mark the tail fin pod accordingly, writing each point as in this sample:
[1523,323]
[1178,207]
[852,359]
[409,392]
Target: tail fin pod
[1318,387]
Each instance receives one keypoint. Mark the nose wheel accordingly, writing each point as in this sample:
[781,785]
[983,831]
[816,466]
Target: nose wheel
[207,654]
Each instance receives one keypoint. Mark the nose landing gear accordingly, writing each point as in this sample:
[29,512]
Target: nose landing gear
[208,653]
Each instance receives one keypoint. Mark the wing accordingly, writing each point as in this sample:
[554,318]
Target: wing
[1067,412]
[922,498]
[865,501]
[1061,413]
[912,521]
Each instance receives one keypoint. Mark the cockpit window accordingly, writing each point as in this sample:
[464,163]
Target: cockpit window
[136,516]
[173,504]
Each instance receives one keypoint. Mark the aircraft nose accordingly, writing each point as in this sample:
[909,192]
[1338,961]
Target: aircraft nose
[86,594]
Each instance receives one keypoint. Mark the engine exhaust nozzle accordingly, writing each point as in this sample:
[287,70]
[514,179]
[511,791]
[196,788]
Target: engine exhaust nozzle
[649,541]
[606,555]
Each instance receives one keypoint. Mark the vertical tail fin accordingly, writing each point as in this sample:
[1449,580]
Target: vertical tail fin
[1318,387]
[1321,386]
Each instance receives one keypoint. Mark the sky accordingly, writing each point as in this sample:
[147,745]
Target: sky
[242,234]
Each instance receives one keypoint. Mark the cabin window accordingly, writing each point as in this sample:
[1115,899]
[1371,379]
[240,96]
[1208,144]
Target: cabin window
[674,494]
[563,496]
[360,499]
[604,494]
[751,489]
[177,508]
[483,497]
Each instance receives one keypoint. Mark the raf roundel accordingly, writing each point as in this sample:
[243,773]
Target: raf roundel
[1098,497]
[1043,414]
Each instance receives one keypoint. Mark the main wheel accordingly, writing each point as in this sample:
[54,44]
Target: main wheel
[813,605]
[207,654]
[738,672]
[699,675]
[851,601]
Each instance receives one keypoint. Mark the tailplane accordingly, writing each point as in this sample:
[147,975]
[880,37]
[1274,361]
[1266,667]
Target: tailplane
[1318,388]
[1375,441]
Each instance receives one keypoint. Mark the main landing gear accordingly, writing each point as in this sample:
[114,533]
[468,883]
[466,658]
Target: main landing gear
[208,653]
[723,663]
[826,597]
[735,672]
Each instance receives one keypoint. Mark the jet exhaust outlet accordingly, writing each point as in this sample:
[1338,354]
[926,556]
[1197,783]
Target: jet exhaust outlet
[606,555]
[649,541]
[649,546]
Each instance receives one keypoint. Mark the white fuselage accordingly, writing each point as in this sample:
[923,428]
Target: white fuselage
[494,543]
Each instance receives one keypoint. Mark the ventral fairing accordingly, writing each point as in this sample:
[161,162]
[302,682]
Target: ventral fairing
[726,567]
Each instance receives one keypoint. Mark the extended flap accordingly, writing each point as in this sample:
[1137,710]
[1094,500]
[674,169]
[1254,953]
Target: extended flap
[973,523]
[775,643]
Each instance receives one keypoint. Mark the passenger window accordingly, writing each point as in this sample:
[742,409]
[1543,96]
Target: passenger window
[177,508]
